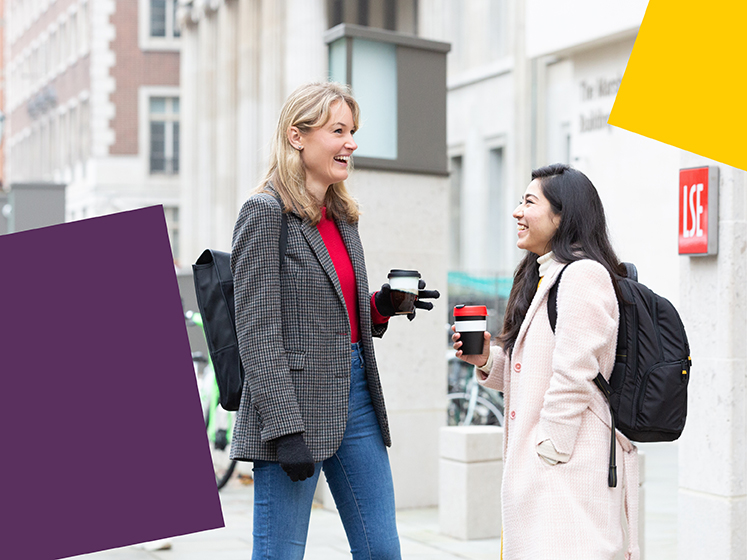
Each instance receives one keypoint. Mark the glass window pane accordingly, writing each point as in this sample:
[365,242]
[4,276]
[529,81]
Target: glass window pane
[158,18]
[175,105]
[455,214]
[157,146]
[175,162]
[158,105]
[177,32]
[496,214]
[374,84]
[338,62]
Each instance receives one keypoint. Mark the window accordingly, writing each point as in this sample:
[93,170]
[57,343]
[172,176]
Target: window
[400,84]
[44,149]
[394,15]
[171,214]
[455,213]
[63,43]
[164,135]
[85,132]
[83,28]
[64,135]
[74,136]
[54,149]
[498,213]
[163,18]
[53,50]
[73,36]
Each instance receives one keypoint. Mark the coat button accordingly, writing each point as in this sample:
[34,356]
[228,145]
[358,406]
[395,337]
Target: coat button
[517,366]
[513,415]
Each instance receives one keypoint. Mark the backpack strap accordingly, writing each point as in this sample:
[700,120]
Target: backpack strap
[283,243]
[552,301]
[600,381]
[552,298]
[632,271]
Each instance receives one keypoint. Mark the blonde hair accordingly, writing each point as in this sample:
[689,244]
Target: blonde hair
[308,108]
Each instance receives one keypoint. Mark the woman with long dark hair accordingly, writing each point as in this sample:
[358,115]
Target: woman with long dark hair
[556,500]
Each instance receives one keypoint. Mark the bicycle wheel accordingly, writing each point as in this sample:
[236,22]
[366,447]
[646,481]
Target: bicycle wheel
[222,478]
[220,445]
[218,422]
[468,410]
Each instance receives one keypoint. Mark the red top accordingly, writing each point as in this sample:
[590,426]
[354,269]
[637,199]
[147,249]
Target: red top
[345,274]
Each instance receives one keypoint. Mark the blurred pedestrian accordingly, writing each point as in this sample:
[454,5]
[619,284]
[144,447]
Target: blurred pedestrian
[312,399]
[555,496]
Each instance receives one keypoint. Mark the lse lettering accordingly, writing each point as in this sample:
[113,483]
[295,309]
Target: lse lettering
[698,211]
[692,204]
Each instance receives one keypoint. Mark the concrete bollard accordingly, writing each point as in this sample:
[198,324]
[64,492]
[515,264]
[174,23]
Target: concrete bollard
[470,472]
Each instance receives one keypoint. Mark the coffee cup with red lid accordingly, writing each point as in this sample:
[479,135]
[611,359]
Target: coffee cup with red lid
[470,321]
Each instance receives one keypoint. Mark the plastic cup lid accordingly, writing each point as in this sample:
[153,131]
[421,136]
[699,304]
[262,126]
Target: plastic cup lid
[398,273]
[462,310]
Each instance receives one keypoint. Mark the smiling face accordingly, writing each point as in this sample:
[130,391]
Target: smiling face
[537,222]
[326,150]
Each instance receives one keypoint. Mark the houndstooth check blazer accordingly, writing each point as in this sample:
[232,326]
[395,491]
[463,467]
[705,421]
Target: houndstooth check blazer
[294,334]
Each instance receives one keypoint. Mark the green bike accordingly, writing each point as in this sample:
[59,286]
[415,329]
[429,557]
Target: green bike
[219,422]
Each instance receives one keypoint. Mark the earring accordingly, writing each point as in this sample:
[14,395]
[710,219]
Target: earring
[299,147]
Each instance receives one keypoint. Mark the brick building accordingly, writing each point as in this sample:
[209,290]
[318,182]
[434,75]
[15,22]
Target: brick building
[93,102]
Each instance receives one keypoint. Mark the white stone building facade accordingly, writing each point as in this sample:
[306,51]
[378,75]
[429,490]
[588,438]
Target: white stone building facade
[540,90]
[240,60]
[529,82]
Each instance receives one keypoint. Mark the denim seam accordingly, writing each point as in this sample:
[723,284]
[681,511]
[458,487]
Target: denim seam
[357,506]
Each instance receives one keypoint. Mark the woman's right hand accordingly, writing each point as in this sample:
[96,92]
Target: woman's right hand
[478,360]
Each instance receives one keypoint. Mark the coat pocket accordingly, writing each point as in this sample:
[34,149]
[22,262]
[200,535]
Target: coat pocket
[296,360]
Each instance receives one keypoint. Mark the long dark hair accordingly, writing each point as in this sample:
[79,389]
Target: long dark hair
[582,234]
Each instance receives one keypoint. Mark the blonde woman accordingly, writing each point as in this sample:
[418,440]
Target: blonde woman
[312,398]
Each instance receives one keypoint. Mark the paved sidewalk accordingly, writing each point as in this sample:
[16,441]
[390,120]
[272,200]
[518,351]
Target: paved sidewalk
[418,528]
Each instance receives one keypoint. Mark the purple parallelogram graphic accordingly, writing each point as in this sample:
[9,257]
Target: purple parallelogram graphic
[103,439]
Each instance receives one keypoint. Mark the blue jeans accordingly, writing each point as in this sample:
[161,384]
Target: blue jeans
[359,477]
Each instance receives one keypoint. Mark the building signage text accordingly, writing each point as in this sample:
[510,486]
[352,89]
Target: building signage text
[698,216]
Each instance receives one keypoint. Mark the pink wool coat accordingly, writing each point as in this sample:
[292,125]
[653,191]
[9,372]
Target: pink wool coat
[566,511]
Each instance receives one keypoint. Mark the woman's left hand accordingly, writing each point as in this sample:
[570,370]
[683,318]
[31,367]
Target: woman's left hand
[384,305]
[478,360]
[423,294]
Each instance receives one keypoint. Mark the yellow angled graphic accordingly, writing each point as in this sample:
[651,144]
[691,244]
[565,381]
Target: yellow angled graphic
[685,82]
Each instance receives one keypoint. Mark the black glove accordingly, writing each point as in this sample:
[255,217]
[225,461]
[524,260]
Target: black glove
[383,300]
[419,303]
[294,457]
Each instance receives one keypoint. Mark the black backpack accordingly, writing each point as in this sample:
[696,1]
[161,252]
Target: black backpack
[647,390]
[214,291]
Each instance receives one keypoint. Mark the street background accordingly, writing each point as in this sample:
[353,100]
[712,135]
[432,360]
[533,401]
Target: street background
[418,528]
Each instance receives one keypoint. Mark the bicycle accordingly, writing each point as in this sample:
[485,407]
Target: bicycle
[218,422]
[469,403]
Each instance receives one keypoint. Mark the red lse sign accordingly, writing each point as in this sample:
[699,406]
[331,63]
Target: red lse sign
[698,223]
